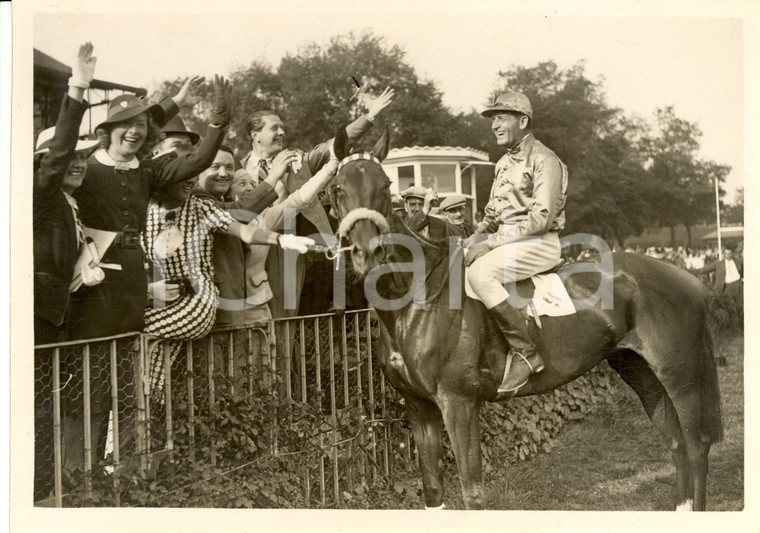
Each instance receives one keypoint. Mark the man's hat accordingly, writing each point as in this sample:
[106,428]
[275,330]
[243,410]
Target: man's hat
[177,126]
[46,137]
[510,101]
[397,203]
[415,191]
[453,201]
[126,106]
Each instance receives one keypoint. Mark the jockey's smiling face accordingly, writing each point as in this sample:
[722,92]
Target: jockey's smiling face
[413,205]
[270,140]
[509,128]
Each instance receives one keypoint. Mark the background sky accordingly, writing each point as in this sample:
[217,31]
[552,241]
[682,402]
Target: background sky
[695,64]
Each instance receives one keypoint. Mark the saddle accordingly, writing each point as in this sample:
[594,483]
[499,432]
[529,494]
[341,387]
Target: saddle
[542,294]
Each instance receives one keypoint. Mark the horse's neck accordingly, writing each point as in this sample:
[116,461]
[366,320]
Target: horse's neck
[400,282]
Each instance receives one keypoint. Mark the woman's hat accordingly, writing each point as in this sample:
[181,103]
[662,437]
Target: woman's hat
[46,137]
[177,126]
[126,106]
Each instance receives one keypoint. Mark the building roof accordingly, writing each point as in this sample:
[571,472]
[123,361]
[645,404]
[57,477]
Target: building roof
[454,152]
[730,232]
[47,66]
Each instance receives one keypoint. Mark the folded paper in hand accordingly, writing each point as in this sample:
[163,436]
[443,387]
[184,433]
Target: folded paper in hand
[96,243]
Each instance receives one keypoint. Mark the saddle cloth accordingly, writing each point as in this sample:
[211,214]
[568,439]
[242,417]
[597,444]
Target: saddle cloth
[550,297]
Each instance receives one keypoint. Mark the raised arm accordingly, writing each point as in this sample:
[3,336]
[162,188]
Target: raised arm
[63,144]
[171,167]
[320,154]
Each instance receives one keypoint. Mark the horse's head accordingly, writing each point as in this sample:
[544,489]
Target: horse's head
[360,195]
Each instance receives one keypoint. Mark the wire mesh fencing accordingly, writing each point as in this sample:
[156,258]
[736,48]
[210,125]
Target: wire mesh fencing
[307,391]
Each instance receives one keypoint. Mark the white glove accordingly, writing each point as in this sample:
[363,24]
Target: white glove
[294,242]
[92,276]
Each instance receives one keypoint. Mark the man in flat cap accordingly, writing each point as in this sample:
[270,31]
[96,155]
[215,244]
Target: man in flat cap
[519,234]
[453,207]
[418,201]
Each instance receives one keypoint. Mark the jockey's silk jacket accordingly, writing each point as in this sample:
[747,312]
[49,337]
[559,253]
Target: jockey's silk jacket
[528,194]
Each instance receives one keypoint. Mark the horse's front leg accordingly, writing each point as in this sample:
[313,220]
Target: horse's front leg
[461,416]
[426,422]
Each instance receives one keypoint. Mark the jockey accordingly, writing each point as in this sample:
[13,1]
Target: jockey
[519,234]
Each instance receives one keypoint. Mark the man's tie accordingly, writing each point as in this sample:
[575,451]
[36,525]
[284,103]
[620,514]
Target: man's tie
[263,170]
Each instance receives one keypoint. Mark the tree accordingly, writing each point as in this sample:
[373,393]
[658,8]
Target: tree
[733,214]
[682,185]
[254,87]
[312,92]
[317,85]
[597,143]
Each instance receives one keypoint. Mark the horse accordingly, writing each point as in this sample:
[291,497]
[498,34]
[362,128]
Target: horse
[442,359]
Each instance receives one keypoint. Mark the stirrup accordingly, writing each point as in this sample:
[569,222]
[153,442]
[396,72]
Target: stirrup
[508,367]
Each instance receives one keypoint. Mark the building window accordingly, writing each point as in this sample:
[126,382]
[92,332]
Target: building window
[467,176]
[405,177]
[440,178]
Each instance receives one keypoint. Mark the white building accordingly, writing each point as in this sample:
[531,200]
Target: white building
[445,169]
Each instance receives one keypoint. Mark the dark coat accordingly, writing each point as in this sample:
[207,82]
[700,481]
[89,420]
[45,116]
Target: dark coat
[54,228]
[114,199]
[230,252]
[719,267]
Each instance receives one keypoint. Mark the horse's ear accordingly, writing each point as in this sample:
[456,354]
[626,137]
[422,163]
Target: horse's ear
[340,144]
[382,145]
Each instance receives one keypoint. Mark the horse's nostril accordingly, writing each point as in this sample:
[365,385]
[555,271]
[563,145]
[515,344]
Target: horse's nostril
[378,253]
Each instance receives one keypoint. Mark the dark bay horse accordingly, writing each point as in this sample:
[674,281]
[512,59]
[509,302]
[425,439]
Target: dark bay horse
[443,358]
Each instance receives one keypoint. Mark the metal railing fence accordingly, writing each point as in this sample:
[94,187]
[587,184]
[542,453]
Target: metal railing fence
[125,404]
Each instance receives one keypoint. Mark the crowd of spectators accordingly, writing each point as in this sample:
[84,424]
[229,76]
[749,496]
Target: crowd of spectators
[151,227]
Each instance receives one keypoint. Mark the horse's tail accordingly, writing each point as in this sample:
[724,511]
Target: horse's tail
[711,415]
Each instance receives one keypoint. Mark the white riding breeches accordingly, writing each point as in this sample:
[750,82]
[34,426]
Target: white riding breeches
[509,263]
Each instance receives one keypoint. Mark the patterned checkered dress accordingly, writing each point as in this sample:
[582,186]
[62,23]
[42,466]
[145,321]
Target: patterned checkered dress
[192,315]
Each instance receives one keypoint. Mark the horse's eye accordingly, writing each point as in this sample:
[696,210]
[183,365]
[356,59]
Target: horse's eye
[336,188]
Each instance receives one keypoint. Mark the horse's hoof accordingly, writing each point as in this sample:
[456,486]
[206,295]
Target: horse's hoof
[687,505]
[439,508]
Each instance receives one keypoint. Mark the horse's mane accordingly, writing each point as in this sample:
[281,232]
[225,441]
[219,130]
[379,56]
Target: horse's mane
[436,253]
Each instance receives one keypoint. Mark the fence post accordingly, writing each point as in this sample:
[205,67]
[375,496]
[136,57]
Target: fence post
[142,397]
[371,387]
[87,407]
[115,418]
[359,391]
[322,491]
[57,455]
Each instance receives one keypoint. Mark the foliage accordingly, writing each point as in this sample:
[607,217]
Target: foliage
[733,214]
[625,174]
[681,188]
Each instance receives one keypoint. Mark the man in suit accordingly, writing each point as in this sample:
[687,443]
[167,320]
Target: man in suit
[267,134]
[727,281]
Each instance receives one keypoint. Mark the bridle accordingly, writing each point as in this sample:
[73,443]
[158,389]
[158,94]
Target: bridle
[348,220]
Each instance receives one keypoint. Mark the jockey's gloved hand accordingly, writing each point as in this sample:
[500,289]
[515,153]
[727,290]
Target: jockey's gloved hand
[474,239]
[294,242]
[478,250]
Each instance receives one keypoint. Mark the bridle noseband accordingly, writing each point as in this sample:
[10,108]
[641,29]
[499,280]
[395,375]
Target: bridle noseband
[348,220]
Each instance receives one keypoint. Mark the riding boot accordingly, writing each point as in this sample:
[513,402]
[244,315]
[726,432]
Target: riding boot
[525,358]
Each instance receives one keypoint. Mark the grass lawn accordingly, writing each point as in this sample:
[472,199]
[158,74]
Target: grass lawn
[615,460]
